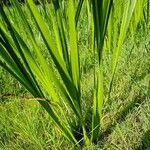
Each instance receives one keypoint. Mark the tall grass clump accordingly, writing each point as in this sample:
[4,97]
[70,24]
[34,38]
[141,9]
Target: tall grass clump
[50,68]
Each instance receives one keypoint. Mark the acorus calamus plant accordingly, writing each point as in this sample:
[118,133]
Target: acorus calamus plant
[53,75]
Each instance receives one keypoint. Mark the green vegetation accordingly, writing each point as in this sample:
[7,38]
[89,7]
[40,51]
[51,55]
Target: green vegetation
[86,63]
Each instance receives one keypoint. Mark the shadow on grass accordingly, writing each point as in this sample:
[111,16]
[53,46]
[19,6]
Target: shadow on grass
[139,99]
[145,142]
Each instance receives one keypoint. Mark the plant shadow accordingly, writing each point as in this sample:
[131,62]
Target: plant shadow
[145,142]
[139,99]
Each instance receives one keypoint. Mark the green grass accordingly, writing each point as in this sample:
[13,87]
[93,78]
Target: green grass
[125,124]
[93,80]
